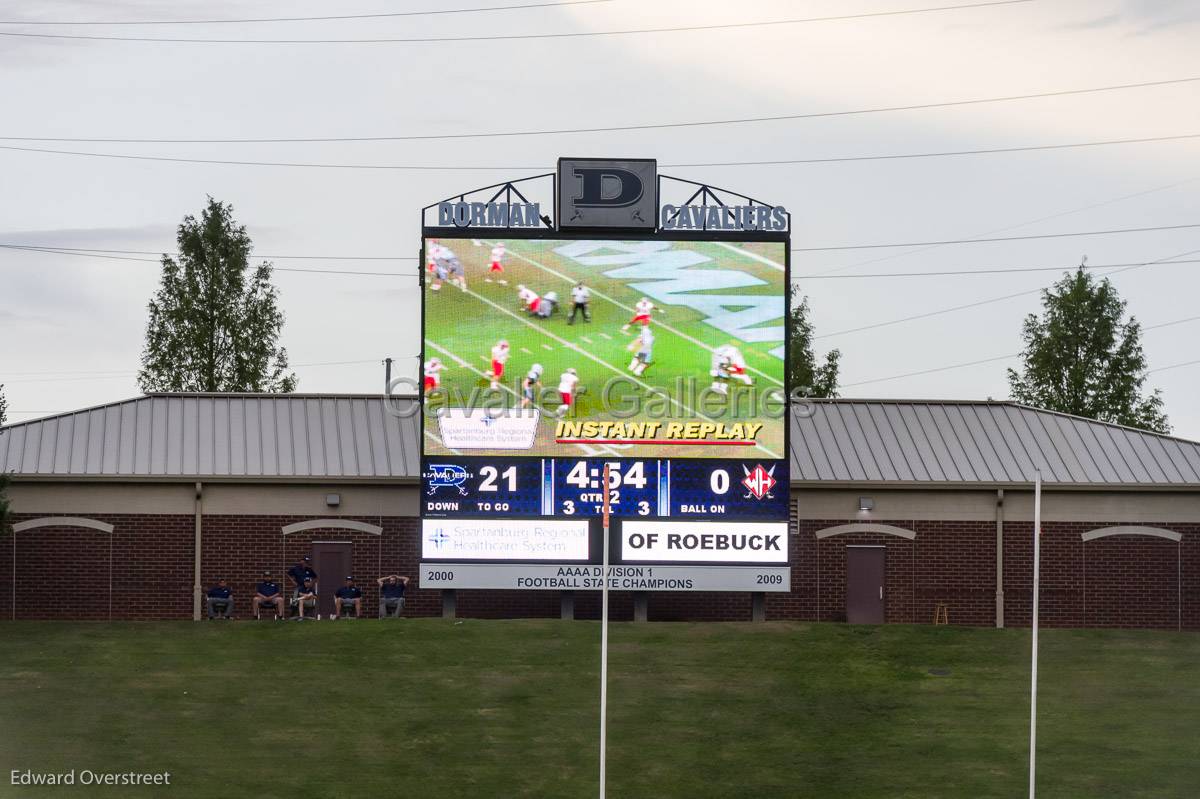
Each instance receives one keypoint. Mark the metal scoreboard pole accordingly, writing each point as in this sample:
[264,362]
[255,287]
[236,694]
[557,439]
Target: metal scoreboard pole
[604,641]
[1037,550]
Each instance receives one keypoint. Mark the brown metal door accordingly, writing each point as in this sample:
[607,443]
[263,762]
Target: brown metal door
[864,584]
[331,560]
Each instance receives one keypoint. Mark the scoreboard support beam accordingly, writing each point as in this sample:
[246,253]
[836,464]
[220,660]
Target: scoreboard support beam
[641,605]
[449,603]
[566,604]
[758,606]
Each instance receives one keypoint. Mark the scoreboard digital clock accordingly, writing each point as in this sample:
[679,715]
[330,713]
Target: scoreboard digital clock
[574,488]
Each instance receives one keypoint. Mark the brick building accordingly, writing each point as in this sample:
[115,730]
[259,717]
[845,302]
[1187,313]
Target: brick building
[131,506]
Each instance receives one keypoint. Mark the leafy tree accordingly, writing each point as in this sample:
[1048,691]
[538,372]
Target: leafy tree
[803,371]
[214,323]
[1081,358]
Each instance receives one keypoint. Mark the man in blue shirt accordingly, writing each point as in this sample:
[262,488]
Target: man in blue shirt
[391,595]
[306,599]
[349,595]
[302,571]
[267,594]
[220,599]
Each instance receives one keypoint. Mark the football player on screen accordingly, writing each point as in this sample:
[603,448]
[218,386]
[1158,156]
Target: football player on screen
[644,344]
[496,267]
[530,384]
[433,378]
[641,314]
[566,390]
[499,357]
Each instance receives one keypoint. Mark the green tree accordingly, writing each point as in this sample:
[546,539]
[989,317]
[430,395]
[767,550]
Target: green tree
[803,371]
[1081,357]
[214,322]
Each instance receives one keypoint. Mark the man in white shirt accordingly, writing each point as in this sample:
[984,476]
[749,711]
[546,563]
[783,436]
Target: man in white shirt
[580,297]
[641,315]
[433,378]
[530,384]
[644,344]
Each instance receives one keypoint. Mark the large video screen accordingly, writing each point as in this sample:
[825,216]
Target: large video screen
[605,349]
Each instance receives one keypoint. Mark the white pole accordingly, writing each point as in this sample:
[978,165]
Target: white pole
[604,642]
[1037,552]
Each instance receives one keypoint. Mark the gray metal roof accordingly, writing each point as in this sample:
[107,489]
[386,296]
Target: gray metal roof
[973,443]
[243,436]
[356,437]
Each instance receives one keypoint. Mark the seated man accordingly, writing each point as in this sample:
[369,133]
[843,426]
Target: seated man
[306,599]
[220,600]
[391,595]
[348,596]
[267,595]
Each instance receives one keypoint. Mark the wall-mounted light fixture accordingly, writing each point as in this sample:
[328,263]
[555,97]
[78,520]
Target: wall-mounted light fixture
[866,504]
[333,500]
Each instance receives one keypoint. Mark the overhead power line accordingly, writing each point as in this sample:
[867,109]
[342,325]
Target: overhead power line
[995,271]
[487,168]
[79,254]
[436,12]
[524,36]
[988,301]
[613,128]
[129,255]
[1109,232]
[269,256]
[466,168]
[1009,357]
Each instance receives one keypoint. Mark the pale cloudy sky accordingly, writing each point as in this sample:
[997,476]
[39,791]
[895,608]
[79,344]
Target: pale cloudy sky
[71,328]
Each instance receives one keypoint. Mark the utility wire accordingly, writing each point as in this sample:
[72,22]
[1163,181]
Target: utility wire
[1000,238]
[1006,228]
[616,128]
[1008,357]
[256,255]
[996,271]
[79,254]
[462,168]
[108,255]
[440,11]
[988,301]
[1173,366]
[524,36]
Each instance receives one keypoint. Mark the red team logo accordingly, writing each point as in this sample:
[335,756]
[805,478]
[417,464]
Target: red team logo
[759,481]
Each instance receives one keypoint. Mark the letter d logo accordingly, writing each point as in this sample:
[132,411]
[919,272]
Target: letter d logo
[606,187]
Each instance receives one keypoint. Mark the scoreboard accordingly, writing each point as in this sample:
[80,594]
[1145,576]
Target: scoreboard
[573,488]
[629,353]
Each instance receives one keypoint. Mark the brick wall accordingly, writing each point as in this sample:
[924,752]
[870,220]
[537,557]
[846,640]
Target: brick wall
[1126,581]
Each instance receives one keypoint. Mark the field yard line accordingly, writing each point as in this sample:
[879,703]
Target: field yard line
[589,451]
[586,340]
[443,443]
[527,351]
[762,259]
[547,347]
[664,326]
[607,336]
[571,346]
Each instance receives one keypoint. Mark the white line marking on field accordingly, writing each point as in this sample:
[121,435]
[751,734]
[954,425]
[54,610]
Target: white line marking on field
[547,347]
[605,364]
[586,340]
[527,351]
[666,327]
[607,336]
[439,441]
[762,259]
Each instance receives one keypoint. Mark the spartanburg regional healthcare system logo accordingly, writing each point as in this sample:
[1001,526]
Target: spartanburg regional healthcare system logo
[759,481]
[438,537]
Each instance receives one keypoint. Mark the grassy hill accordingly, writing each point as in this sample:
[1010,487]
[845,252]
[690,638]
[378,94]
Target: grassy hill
[435,708]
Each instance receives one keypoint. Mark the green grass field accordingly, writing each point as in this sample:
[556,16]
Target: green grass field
[722,286]
[434,708]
